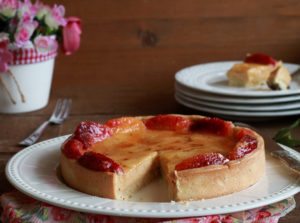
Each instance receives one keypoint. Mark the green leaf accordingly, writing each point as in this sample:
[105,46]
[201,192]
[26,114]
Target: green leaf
[284,136]
[286,131]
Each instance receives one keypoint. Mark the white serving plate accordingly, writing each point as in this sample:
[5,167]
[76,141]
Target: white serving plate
[235,99]
[34,172]
[246,108]
[211,78]
[235,113]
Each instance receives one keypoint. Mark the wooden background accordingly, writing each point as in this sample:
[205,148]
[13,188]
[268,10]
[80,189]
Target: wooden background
[137,42]
[131,50]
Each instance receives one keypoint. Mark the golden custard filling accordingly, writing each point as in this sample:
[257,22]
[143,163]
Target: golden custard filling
[128,148]
[122,143]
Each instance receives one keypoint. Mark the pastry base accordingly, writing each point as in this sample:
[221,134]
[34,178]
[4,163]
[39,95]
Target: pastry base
[108,184]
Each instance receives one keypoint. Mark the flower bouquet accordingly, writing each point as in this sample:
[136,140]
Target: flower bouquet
[30,35]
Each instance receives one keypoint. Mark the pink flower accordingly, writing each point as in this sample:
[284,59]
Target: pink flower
[4,36]
[43,10]
[45,44]
[71,35]
[26,10]
[13,24]
[56,17]
[5,55]
[8,8]
[26,17]
[24,32]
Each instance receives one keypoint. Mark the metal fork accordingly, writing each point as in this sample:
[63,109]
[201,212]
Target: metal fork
[59,115]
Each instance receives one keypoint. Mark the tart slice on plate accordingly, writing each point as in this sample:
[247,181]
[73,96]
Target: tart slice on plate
[199,157]
[259,70]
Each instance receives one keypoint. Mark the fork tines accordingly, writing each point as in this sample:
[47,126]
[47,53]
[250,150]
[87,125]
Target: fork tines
[63,108]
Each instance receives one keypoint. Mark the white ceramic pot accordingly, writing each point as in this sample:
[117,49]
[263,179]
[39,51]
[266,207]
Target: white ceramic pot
[35,82]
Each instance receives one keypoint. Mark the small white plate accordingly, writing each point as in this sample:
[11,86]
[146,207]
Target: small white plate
[211,77]
[234,100]
[34,172]
[246,108]
[236,114]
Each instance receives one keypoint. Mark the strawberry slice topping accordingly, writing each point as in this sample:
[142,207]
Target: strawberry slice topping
[90,132]
[99,162]
[246,145]
[242,132]
[73,148]
[125,125]
[260,59]
[202,160]
[212,125]
[168,122]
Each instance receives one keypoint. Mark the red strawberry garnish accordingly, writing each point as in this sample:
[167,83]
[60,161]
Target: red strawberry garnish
[125,124]
[99,162]
[73,149]
[202,160]
[246,145]
[168,122]
[90,132]
[260,59]
[212,125]
[242,132]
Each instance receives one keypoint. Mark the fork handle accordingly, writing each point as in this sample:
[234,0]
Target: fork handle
[35,135]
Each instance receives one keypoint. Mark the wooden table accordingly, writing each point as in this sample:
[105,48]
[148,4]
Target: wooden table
[100,103]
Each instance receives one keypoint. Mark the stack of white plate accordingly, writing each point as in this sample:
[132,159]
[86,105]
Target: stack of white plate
[205,88]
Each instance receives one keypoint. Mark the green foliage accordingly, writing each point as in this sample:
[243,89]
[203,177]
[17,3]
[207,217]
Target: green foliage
[284,136]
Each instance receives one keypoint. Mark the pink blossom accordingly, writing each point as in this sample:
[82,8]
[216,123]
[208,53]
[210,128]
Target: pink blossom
[71,35]
[27,10]
[5,56]
[56,17]
[43,10]
[26,17]
[4,44]
[8,8]
[4,37]
[13,24]
[24,32]
[4,41]
[45,44]
[38,4]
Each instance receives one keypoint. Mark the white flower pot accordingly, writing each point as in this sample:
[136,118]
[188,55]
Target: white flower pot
[35,82]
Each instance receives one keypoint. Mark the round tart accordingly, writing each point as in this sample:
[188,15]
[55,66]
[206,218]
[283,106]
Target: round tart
[199,157]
